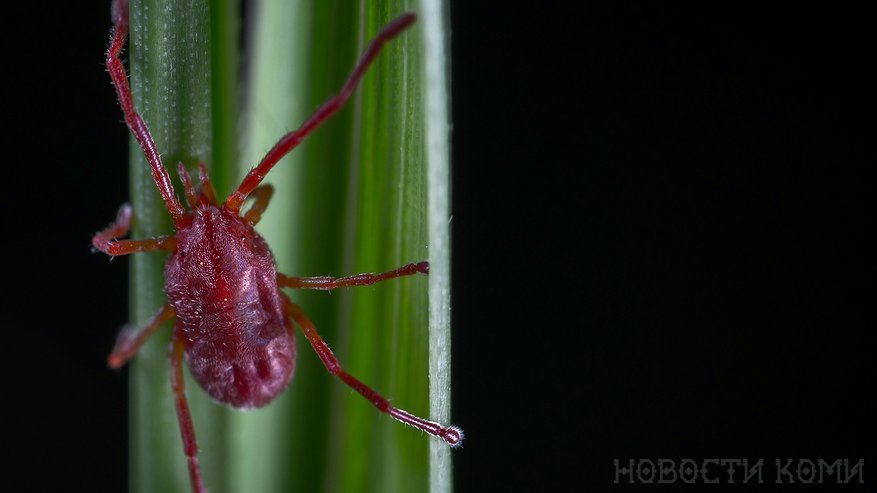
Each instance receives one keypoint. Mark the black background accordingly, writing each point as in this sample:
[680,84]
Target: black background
[658,227]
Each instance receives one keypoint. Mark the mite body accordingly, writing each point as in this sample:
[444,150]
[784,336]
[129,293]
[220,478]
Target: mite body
[221,283]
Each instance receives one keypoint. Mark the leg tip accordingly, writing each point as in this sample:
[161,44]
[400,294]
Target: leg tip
[453,436]
[115,361]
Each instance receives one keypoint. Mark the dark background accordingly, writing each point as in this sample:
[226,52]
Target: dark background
[658,227]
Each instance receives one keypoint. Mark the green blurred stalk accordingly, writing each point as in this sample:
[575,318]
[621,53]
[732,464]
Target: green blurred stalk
[182,59]
[354,197]
[435,16]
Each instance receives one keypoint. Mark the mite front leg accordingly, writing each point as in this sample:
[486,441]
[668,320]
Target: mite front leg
[130,338]
[187,431]
[262,196]
[452,435]
[188,189]
[106,242]
[207,192]
[133,119]
[292,139]
[328,283]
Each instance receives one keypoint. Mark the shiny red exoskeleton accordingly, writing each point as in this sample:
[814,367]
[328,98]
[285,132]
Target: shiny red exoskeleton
[232,322]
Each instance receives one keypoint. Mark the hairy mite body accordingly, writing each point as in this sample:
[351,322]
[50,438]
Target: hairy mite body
[222,284]
[233,324]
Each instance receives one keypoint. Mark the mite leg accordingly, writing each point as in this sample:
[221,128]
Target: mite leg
[187,431]
[262,196]
[289,141]
[206,187]
[328,283]
[191,199]
[452,435]
[132,118]
[105,240]
[131,338]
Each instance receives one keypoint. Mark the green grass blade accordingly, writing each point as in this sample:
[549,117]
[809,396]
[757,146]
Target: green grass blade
[263,442]
[224,92]
[352,198]
[385,330]
[187,106]
[435,19]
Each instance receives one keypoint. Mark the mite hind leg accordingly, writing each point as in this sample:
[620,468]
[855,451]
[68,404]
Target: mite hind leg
[106,241]
[328,283]
[187,431]
[131,338]
[452,435]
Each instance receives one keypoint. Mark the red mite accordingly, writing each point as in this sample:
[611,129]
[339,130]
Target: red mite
[233,323]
